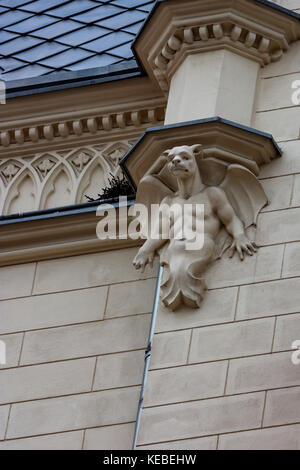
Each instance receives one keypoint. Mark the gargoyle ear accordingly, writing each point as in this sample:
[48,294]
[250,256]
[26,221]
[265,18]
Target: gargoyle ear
[166,155]
[197,150]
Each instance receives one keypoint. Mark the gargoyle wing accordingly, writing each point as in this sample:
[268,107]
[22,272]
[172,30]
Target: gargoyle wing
[247,197]
[245,193]
[151,190]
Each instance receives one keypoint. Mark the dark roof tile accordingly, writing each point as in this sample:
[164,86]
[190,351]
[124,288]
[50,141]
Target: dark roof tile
[57,29]
[130,3]
[64,58]
[124,19]
[134,28]
[95,61]
[10,17]
[37,53]
[38,6]
[6,36]
[83,35]
[27,71]
[99,13]
[19,44]
[31,24]
[11,63]
[39,37]
[124,51]
[13,3]
[108,41]
[73,8]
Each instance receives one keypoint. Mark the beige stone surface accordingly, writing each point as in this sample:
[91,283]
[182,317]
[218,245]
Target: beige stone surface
[200,418]
[282,406]
[69,342]
[287,164]
[269,298]
[118,437]
[16,281]
[52,310]
[271,122]
[279,192]
[287,223]
[13,345]
[289,63]
[280,438]
[290,4]
[233,340]
[296,192]
[291,262]
[276,92]
[119,370]
[232,271]
[287,331]
[130,298]
[73,412]
[218,307]
[4,411]
[170,349]
[63,441]
[207,89]
[203,443]
[91,270]
[262,373]
[47,380]
[180,384]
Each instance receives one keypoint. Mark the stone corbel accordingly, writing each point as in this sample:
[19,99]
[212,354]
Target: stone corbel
[210,162]
[206,54]
[255,29]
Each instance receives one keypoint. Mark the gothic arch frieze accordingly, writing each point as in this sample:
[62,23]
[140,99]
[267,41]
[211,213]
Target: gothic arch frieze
[54,178]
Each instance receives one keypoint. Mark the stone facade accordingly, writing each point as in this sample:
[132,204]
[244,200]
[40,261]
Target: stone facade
[91,379]
[76,327]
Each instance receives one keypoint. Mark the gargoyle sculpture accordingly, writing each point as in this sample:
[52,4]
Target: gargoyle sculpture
[232,198]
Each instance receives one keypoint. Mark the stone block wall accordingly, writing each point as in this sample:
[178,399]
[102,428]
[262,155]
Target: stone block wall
[75,331]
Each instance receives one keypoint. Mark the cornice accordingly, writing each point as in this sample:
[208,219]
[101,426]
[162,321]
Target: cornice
[69,118]
[221,139]
[54,235]
[175,29]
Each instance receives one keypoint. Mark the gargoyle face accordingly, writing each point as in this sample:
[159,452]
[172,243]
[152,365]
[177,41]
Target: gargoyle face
[182,163]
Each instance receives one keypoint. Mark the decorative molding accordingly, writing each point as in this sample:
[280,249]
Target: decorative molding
[53,179]
[80,116]
[55,237]
[64,131]
[221,139]
[246,27]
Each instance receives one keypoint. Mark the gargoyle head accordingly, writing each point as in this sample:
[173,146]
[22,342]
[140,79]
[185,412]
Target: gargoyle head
[182,160]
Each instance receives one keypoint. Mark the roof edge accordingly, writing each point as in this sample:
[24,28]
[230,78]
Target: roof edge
[64,80]
[61,211]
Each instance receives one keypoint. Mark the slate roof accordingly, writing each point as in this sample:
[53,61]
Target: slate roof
[40,37]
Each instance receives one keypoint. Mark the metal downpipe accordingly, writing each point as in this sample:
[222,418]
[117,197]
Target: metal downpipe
[147,356]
